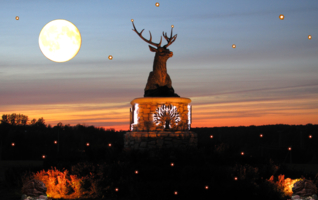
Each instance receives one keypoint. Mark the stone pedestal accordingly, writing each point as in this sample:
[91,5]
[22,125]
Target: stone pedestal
[160,122]
[161,139]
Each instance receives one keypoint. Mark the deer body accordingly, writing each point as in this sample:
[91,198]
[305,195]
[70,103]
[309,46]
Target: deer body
[159,82]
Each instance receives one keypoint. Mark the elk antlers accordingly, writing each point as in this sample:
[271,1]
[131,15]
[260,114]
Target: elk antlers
[169,40]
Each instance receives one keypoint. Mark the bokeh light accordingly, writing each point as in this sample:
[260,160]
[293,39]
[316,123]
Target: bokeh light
[172,164]
[242,153]
[206,187]
[309,37]
[310,136]
[43,156]
[109,144]
[55,142]
[157,4]
[281,17]
[110,57]
[211,136]
[235,178]
[87,144]
[289,148]
[261,135]
[116,189]
[172,26]
[175,192]
[12,144]
[132,20]
[234,46]
[136,172]
[17,18]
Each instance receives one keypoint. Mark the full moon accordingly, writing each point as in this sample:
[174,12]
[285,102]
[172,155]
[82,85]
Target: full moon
[60,40]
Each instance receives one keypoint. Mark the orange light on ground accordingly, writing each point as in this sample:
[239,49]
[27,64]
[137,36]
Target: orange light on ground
[172,164]
[281,17]
[157,4]
[55,142]
[234,46]
[242,153]
[110,57]
[175,192]
[310,136]
[235,178]
[309,37]
[211,136]
[109,144]
[261,135]
[206,187]
[116,189]
[136,172]
[289,148]
[43,156]
[87,144]
[172,26]
[132,20]
[17,17]
[12,144]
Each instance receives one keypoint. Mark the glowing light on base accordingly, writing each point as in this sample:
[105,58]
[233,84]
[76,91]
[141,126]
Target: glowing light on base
[132,20]
[172,26]
[281,17]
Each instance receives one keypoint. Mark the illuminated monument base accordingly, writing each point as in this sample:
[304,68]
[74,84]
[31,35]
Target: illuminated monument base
[160,122]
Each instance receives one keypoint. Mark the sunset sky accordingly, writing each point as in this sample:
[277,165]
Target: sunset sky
[271,77]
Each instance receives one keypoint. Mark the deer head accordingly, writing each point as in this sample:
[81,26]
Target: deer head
[161,52]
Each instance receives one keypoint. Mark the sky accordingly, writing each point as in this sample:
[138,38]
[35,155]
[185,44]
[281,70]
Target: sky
[271,77]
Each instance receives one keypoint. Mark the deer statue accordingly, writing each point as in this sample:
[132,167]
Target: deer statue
[159,83]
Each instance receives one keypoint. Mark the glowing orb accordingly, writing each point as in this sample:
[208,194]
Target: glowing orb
[12,144]
[281,17]
[60,40]
[17,17]
[116,189]
[206,187]
[43,156]
[211,136]
[172,26]
[55,142]
[175,192]
[233,45]
[132,20]
[110,57]
[261,135]
[87,144]
[289,148]
[310,136]
[136,172]
[309,37]
[242,153]
[109,144]
[235,178]
[157,4]
[172,164]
